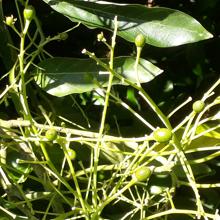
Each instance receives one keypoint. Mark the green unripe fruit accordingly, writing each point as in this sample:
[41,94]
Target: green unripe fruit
[142,174]
[72,154]
[162,135]
[51,134]
[198,106]
[101,175]
[63,36]
[9,20]
[29,12]
[140,40]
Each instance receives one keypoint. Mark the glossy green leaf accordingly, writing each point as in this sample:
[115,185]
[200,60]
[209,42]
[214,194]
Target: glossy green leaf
[162,27]
[208,127]
[18,172]
[198,170]
[62,76]
[203,141]
[111,153]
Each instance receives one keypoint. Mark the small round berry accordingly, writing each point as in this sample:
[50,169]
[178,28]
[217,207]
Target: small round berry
[101,175]
[198,106]
[29,12]
[162,135]
[142,174]
[72,154]
[51,134]
[63,36]
[140,40]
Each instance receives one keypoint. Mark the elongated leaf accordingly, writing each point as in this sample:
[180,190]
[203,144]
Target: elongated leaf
[162,27]
[215,133]
[62,76]
[198,170]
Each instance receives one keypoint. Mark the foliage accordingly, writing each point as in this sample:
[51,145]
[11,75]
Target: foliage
[81,138]
[61,76]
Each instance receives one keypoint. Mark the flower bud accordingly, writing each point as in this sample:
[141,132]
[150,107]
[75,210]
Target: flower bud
[10,20]
[140,40]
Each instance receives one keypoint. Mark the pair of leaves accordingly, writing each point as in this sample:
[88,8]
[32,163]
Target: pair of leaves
[162,27]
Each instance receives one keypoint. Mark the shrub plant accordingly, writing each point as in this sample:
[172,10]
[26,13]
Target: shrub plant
[57,162]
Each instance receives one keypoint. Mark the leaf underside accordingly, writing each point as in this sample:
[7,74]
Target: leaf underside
[62,76]
[162,27]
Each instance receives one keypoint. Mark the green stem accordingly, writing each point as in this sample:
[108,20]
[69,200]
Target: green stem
[72,171]
[39,28]
[126,106]
[104,113]
[57,175]
[134,162]
[22,87]
[206,95]
[164,119]
[155,108]
[115,196]
[178,211]
[92,136]
[202,185]
[139,49]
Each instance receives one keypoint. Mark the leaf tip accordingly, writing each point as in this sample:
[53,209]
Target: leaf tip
[208,35]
